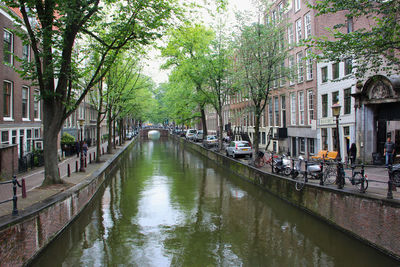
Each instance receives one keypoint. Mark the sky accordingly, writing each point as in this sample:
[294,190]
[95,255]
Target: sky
[152,64]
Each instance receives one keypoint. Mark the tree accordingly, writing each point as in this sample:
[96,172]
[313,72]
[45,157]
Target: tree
[375,48]
[260,56]
[185,51]
[54,27]
[219,75]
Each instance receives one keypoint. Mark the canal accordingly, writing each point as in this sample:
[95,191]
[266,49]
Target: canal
[164,206]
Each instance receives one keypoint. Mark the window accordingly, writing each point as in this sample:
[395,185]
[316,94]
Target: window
[300,68]
[298,30]
[4,137]
[335,70]
[334,143]
[280,9]
[290,36]
[324,138]
[346,131]
[25,102]
[7,99]
[310,98]
[347,101]
[335,97]
[293,108]
[270,118]
[8,47]
[324,74]
[14,137]
[307,25]
[349,24]
[324,106]
[283,111]
[263,138]
[311,146]
[302,144]
[26,52]
[291,69]
[309,65]
[276,109]
[348,66]
[297,5]
[36,105]
[301,108]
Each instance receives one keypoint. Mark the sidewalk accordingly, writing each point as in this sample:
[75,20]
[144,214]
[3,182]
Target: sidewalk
[34,179]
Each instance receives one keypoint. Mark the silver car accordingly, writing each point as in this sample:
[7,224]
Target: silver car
[190,134]
[238,148]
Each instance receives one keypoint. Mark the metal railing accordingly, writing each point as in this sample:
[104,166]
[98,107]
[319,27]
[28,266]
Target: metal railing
[14,199]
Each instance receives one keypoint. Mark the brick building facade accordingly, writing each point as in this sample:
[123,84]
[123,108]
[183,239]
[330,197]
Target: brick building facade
[21,108]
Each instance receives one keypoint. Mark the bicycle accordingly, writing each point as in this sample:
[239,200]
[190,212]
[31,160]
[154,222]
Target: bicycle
[357,179]
[261,160]
[330,173]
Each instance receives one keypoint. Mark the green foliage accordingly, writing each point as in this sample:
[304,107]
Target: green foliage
[66,138]
[374,48]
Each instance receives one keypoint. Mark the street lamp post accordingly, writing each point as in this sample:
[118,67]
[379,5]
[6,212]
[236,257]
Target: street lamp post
[339,179]
[81,123]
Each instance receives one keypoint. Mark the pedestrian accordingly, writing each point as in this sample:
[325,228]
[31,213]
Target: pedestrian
[77,148]
[84,148]
[352,153]
[389,151]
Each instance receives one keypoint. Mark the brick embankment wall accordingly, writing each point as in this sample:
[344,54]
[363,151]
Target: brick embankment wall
[23,237]
[373,220]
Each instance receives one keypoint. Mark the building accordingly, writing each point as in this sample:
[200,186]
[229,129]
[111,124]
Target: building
[21,108]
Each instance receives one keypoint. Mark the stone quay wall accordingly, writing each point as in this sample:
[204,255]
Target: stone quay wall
[24,236]
[373,220]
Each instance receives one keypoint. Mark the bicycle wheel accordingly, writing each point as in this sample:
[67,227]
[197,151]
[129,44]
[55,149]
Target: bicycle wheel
[258,162]
[300,181]
[329,175]
[358,179]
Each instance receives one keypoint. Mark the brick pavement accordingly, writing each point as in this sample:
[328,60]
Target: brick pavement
[35,177]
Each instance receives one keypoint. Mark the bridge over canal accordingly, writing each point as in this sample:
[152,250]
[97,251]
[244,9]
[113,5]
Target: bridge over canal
[144,132]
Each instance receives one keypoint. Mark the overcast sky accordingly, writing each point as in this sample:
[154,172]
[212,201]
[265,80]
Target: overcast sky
[152,65]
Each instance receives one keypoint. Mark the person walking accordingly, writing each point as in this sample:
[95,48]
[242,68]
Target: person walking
[353,153]
[389,151]
[84,148]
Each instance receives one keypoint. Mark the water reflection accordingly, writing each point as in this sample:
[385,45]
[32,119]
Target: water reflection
[169,207]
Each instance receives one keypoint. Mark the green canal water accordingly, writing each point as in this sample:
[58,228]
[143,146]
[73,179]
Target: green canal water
[164,206]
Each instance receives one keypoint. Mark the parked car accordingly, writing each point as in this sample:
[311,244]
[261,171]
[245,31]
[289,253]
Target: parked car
[129,135]
[190,134]
[182,133]
[210,141]
[199,136]
[239,148]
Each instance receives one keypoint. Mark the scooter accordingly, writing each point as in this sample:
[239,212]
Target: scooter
[314,171]
[281,165]
[396,174]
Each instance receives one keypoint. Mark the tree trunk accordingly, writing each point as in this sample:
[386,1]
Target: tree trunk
[109,139]
[257,133]
[52,121]
[113,131]
[221,129]
[98,137]
[203,121]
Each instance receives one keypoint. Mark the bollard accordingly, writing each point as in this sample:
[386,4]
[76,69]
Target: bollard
[23,188]
[15,199]
[390,182]
[90,158]
[59,172]
[362,190]
[321,178]
[293,170]
[94,155]
[102,149]
[272,162]
[76,166]
[68,170]
[85,163]
[306,172]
